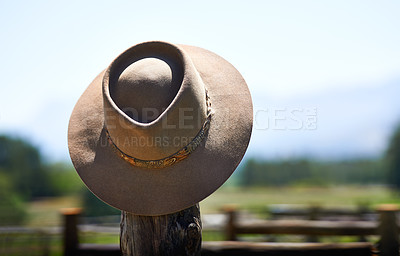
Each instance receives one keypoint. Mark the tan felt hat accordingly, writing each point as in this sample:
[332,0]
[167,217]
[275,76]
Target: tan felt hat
[161,128]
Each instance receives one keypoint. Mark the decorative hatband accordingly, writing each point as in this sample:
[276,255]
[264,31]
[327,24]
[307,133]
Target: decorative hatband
[174,158]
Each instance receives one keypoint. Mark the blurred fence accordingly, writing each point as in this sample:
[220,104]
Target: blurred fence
[81,236]
[28,241]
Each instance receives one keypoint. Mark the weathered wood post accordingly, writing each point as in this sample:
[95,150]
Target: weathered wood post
[362,209]
[313,214]
[388,230]
[230,230]
[70,234]
[173,234]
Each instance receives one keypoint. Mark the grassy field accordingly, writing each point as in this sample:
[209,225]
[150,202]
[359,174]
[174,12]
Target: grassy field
[47,212]
[260,198]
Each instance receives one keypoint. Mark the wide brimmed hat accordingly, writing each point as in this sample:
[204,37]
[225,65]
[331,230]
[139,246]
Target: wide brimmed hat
[161,128]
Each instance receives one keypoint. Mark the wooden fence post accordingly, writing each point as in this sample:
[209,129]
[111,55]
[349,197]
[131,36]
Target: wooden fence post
[362,209]
[388,230]
[173,234]
[70,234]
[230,231]
[313,214]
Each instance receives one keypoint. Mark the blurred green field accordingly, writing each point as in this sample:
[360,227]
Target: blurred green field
[328,196]
[46,212]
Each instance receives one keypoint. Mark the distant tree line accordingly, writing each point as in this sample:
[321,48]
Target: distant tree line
[385,171]
[312,172]
[25,176]
[393,160]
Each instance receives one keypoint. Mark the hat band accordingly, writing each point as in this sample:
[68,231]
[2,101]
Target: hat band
[174,158]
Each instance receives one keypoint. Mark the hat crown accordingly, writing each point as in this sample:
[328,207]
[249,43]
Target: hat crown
[146,88]
[140,80]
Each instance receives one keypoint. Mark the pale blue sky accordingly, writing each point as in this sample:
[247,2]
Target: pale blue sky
[291,53]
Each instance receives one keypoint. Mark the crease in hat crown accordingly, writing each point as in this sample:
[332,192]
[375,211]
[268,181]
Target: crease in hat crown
[179,122]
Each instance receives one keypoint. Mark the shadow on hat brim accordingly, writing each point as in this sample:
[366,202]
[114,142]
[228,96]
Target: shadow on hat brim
[162,191]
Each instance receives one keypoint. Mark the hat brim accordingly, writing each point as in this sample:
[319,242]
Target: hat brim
[171,189]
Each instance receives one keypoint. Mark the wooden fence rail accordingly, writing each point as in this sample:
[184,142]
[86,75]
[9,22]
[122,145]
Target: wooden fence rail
[316,212]
[231,248]
[308,227]
[386,228]
[235,248]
